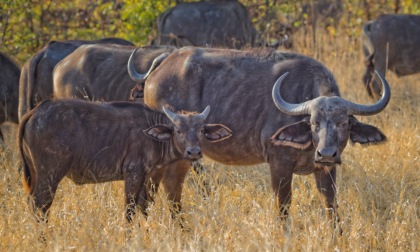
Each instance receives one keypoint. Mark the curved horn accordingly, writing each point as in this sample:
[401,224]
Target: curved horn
[203,116]
[366,110]
[171,115]
[131,71]
[285,107]
[141,77]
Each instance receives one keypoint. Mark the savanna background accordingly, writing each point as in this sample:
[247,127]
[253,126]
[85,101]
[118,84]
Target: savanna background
[378,187]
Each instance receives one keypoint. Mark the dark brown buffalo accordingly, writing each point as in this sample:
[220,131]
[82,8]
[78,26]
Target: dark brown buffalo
[98,72]
[36,80]
[9,90]
[210,23]
[391,42]
[301,138]
[100,142]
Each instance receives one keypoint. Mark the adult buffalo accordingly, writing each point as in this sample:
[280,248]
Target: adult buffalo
[391,42]
[99,71]
[307,135]
[210,23]
[77,139]
[36,80]
[9,90]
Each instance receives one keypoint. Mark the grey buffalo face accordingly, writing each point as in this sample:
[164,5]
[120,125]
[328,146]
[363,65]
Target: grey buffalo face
[330,132]
[187,131]
[329,125]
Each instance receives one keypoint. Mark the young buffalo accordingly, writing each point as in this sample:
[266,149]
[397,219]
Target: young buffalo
[101,142]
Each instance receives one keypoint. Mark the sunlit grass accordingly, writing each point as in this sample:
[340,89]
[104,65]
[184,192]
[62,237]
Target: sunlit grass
[377,188]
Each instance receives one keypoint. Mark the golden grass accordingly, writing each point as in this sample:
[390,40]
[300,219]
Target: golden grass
[378,195]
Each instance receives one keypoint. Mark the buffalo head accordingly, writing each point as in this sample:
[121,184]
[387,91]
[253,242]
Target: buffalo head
[329,125]
[187,131]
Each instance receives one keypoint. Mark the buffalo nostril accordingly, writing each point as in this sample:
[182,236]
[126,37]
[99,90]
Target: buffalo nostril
[318,153]
[193,152]
[335,154]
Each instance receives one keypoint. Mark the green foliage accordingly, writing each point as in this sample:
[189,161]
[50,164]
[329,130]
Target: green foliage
[140,19]
[411,6]
[27,25]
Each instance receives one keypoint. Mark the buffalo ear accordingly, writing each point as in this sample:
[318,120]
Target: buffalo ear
[297,135]
[365,133]
[159,132]
[216,132]
[137,92]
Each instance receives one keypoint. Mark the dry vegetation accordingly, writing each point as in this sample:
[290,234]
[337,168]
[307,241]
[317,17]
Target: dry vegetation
[378,194]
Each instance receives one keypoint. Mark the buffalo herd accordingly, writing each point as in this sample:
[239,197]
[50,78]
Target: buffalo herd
[306,136]
[36,81]
[106,110]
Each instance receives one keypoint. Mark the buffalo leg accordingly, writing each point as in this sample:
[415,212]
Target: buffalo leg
[325,182]
[150,189]
[134,184]
[42,196]
[173,181]
[281,181]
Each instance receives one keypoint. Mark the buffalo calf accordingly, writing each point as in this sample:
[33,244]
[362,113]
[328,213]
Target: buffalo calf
[101,142]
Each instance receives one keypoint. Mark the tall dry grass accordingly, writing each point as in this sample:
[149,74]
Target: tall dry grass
[378,194]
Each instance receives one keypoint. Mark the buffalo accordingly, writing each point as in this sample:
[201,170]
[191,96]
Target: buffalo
[390,42]
[210,23]
[100,142]
[36,80]
[9,90]
[99,72]
[307,135]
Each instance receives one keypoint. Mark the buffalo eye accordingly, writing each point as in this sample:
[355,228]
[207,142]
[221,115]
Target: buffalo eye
[178,131]
[342,124]
[202,131]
